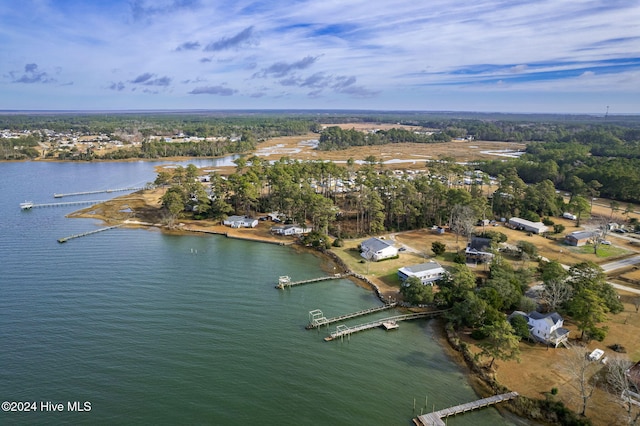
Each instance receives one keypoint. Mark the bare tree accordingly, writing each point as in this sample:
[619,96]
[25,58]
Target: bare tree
[463,220]
[582,370]
[556,292]
[624,391]
[603,230]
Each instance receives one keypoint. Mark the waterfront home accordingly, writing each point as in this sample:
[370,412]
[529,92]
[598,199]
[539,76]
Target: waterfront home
[477,250]
[375,249]
[580,238]
[527,225]
[428,272]
[240,222]
[290,230]
[546,328]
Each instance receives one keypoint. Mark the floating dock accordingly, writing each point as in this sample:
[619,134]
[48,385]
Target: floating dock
[317,318]
[435,418]
[285,281]
[101,191]
[84,234]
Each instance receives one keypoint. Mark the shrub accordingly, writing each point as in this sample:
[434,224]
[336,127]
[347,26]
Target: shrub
[478,334]
[438,248]
[460,258]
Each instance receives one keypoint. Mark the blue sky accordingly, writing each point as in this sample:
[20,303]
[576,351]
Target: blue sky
[568,56]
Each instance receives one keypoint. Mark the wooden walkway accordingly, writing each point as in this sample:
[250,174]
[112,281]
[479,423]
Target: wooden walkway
[71,194]
[435,418]
[84,234]
[343,330]
[285,281]
[317,318]
[28,205]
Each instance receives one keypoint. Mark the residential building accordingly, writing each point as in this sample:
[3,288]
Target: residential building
[290,230]
[428,272]
[240,222]
[527,225]
[376,249]
[478,250]
[580,238]
[546,328]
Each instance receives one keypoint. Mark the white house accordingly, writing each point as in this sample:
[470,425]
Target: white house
[546,328]
[240,222]
[527,225]
[428,272]
[376,249]
[290,230]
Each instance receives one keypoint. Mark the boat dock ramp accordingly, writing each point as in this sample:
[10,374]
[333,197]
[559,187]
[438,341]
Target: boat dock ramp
[285,281]
[435,418]
[84,234]
[317,318]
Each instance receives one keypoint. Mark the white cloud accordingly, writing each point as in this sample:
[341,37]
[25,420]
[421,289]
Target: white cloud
[389,48]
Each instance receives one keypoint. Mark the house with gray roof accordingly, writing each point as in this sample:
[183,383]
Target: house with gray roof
[478,250]
[527,225]
[290,229]
[375,249]
[428,272]
[240,222]
[580,238]
[546,328]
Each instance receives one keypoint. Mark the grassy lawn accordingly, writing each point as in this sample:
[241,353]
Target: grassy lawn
[604,251]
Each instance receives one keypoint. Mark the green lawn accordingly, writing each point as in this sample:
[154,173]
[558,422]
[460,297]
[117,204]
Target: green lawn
[604,251]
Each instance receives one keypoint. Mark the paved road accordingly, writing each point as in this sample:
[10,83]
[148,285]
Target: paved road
[624,288]
[618,264]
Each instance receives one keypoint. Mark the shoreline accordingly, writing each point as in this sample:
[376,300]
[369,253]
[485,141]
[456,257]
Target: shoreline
[482,385]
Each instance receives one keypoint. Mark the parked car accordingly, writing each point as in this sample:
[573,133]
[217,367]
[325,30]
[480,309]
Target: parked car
[605,242]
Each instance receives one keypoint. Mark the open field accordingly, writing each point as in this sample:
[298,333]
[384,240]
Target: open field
[401,155]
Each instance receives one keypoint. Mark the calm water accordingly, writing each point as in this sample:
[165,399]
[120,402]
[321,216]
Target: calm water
[152,328]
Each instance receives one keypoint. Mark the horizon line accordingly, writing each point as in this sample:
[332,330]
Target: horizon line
[306,110]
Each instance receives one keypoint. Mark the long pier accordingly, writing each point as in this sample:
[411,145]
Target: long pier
[101,191]
[285,281]
[317,318]
[71,237]
[342,330]
[435,418]
[29,205]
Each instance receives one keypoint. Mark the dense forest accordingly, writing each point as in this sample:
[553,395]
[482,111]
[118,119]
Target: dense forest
[600,162]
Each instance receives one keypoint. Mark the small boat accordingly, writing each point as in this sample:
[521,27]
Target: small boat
[26,205]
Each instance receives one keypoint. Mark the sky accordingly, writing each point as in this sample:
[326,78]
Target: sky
[538,56]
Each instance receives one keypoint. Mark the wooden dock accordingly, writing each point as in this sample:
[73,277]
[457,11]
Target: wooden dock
[84,234]
[435,418]
[30,205]
[343,330]
[317,318]
[285,281]
[101,191]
